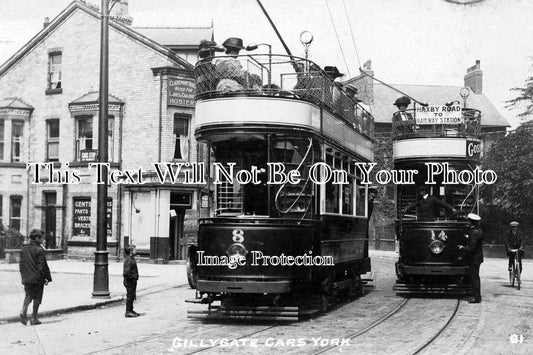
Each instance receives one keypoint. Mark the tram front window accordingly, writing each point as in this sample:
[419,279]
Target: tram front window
[250,153]
[247,154]
[429,202]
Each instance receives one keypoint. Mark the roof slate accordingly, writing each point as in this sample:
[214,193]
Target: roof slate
[176,36]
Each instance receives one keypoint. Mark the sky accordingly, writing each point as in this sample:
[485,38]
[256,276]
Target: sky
[429,42]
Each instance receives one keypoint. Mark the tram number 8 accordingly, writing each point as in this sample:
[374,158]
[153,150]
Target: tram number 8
[238,235]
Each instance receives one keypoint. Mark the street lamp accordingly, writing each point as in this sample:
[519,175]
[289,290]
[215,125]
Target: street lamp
[101,274]
[253,47]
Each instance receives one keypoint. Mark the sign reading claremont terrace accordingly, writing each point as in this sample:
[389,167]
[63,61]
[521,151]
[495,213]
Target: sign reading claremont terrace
[438,114]
[180,91]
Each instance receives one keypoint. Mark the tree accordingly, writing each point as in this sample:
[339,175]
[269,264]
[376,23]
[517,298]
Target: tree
[511,196]
[525,96]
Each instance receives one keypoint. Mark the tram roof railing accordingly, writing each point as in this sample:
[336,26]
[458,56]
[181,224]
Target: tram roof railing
[278,76]
[470,125]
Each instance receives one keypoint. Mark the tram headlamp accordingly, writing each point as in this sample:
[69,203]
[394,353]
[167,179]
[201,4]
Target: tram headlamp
[237,250]
[436,247]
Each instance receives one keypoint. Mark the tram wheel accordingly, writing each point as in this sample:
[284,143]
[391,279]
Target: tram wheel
[192,274]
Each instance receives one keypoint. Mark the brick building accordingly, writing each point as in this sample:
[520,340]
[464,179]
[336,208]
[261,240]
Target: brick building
[49,115]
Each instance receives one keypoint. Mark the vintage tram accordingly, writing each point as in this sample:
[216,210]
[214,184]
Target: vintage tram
[445,152]
[286,232]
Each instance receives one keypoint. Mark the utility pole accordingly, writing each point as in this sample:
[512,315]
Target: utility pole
[101,272]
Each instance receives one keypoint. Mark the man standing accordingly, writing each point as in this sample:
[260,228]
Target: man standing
[514,241]
[475,249]
[131,275]
[35,274]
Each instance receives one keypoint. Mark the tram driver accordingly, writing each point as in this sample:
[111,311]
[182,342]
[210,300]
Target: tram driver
[428,206]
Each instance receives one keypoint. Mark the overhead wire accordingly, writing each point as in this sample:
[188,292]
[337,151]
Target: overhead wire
[356,52]
[338,39]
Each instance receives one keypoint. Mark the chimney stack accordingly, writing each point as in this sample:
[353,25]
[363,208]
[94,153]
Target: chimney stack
[474,78]
[46,22]
[120,13]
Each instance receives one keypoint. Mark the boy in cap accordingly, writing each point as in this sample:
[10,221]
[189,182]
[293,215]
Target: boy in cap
[131,275]
[475,249]
[35,274]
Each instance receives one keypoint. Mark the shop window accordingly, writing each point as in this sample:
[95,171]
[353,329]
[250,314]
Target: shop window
[16,212]
[52,144]
[84,137]
[17,141]
[181,136]
[54,71]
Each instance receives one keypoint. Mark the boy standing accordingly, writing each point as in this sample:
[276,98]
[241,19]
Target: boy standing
[131,275]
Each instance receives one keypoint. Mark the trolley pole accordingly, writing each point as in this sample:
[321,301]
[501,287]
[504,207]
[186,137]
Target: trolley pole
[101,272]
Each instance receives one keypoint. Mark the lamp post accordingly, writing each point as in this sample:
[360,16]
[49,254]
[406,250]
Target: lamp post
[253,47]
[101,273]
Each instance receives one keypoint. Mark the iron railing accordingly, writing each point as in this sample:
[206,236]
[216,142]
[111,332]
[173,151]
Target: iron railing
[278,76]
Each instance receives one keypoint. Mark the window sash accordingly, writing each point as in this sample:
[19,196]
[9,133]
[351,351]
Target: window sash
[17,141]
[181,137]
[54,71]
[53,141]
[16,212]
[84,135]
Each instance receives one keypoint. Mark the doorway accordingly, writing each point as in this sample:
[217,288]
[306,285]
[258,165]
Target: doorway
[50,199]
[177,217]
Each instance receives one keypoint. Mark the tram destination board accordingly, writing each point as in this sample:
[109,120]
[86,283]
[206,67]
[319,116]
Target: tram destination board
[439,114]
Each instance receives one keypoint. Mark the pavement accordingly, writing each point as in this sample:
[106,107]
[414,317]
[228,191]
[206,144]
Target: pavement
[72,285]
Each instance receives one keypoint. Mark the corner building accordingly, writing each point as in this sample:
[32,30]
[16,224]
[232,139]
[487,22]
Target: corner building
[49,115]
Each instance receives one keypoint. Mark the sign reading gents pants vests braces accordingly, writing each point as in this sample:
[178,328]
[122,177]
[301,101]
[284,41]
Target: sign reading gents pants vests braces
[82,217]
[180,91]
[439,114]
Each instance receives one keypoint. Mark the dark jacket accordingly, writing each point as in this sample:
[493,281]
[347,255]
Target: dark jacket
[428,208]
[403,122]
[33,266]
[514,241]
[130,268]
[475,247]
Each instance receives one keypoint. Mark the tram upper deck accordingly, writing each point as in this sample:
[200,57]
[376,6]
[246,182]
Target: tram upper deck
[466,125]
[428,137]
[274,89]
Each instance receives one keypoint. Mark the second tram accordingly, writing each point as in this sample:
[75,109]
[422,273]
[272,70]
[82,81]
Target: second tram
[445,155]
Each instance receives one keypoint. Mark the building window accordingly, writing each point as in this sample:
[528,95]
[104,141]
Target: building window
[17,141]
[52,149]
[54,70]
[1,214]
[110,137]
[181,136]
[84,136]
[1,139]
[15,214]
